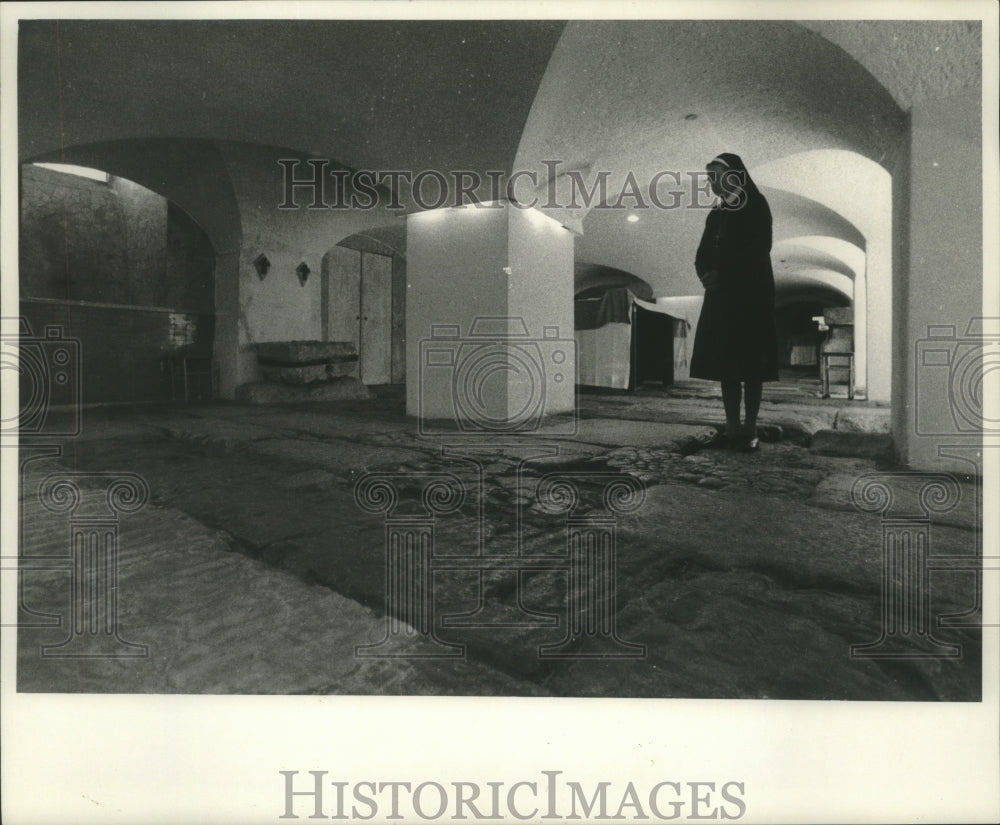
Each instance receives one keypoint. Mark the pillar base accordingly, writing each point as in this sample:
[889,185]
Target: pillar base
[906,646]
[595,646]
[95,646]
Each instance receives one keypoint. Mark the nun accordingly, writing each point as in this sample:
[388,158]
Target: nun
[735,342]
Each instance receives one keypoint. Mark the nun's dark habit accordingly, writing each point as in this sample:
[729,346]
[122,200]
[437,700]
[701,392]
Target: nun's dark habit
[735,339]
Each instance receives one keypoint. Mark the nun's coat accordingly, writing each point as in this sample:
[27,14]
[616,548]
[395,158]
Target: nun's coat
[735,339]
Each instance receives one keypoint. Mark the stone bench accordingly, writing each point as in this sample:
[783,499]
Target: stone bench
[306,362]
[296,371]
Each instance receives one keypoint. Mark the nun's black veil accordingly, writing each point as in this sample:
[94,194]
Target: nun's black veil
[736,164]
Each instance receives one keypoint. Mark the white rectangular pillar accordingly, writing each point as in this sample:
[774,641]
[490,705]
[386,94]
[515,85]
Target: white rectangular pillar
[940,366]
[489,318]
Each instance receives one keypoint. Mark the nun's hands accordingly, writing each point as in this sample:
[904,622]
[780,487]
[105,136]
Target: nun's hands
[710,279]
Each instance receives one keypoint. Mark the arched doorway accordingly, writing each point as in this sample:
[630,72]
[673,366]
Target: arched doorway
[363,301]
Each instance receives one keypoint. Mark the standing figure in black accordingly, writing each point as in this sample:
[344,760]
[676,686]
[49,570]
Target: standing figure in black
[735,342]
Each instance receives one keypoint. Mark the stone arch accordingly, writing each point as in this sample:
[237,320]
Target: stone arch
[860,191]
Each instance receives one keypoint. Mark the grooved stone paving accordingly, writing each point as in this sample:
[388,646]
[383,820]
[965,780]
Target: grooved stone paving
[253,570]
[217,621]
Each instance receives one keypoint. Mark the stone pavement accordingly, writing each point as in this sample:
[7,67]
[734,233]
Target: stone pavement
[254,570]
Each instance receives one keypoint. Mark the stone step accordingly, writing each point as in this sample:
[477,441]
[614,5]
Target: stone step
[339,389]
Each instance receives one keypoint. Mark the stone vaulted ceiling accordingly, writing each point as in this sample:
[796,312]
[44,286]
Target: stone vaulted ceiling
[622,96]
[377,95]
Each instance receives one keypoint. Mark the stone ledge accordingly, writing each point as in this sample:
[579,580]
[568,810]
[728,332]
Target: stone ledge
[310,374]
[864,420]
[834,493]
[339,389]
[845,443]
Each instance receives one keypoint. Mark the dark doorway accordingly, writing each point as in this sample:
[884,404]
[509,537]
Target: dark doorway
[652,347]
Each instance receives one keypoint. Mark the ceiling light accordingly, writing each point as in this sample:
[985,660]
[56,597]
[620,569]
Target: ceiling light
[632,218]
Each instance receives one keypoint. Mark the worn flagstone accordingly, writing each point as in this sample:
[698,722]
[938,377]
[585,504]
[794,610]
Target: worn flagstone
[253,569]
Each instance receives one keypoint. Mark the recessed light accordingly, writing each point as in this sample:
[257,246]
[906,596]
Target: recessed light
[632,218]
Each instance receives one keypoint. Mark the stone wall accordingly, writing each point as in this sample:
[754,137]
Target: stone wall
[122,270]
[72,240]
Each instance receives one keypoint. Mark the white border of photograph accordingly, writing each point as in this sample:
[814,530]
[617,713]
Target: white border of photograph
[207,759]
